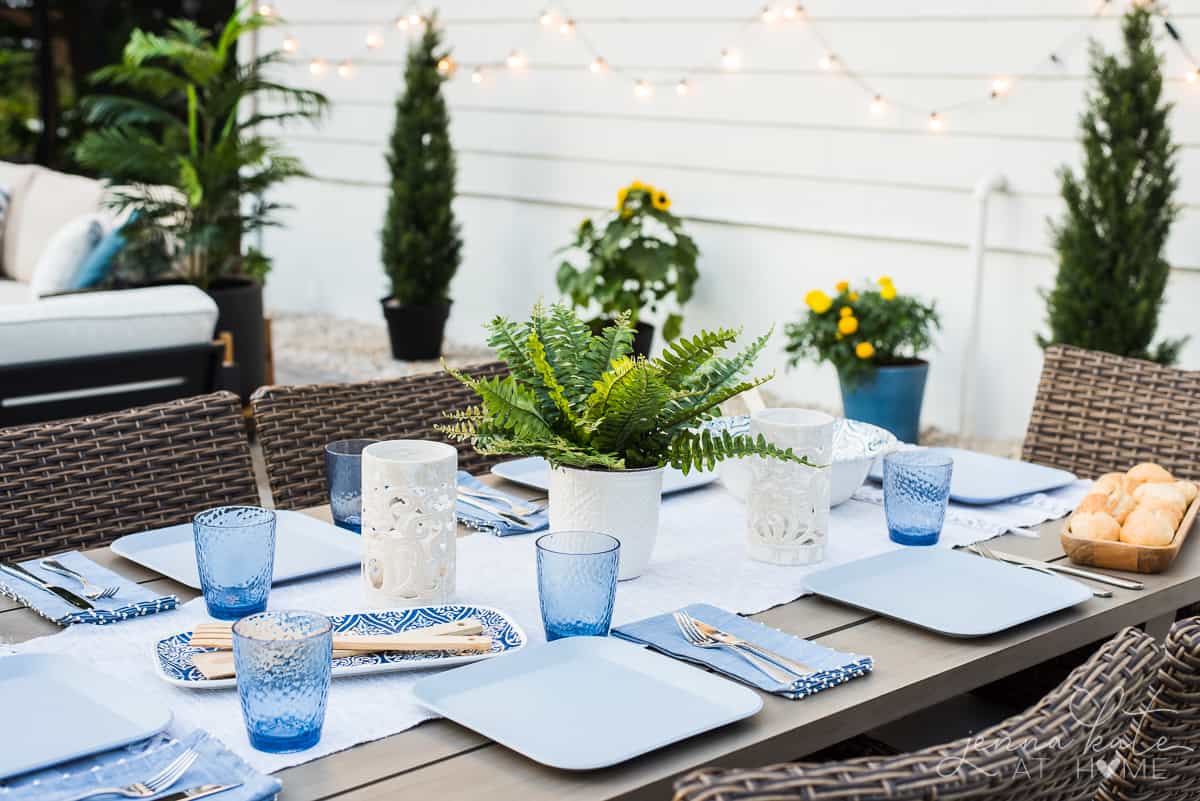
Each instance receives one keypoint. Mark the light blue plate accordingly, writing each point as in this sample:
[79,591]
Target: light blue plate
[57,708]
[534,471]
[586,702]
[980,478]
[173,656]
[304,546]
[947,591]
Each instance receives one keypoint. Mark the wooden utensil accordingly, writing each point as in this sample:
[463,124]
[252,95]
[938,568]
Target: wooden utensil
[220,635]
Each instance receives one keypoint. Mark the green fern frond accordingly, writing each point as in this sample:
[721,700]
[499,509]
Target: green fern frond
[718,373]
[556,451]
[698,406]
[597,402]
[549,381]
[684,356]
[702,450]
[632,408]
[509,405]
[614,342]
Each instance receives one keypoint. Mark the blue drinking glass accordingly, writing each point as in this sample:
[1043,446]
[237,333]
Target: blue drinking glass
[283,662]
[577,582]
[235,556]
[343,472]
[916,490]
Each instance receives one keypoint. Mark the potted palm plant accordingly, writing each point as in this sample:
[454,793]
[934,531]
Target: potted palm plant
[606,421]
[178,141]
[874,337]
[635,260]
[421,243]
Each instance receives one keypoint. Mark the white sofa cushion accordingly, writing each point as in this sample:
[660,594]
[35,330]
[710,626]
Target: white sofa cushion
[48,202]
[98,323]
[59,265]
[13,292]
[14,177]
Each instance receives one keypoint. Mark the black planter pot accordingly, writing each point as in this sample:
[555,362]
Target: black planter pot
[643,339]
[416,331]
[240,312]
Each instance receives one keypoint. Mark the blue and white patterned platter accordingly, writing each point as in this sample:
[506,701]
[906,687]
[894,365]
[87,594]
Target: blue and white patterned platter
[173,655]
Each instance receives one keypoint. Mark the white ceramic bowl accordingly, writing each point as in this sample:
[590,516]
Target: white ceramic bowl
[856,445]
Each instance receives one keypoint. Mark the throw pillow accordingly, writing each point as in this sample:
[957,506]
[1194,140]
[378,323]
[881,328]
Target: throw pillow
[5,200]
[58,267]
[99,263]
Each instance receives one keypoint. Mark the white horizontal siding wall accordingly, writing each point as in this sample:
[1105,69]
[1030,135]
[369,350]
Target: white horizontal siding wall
[788,182]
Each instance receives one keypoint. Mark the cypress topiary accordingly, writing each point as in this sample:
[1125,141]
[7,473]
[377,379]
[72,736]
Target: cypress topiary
[421,244]
[1112,271]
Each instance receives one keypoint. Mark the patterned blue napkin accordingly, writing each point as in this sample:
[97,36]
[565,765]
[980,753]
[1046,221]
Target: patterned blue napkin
[133,600]
[494,524]
[123,766]
[831,667]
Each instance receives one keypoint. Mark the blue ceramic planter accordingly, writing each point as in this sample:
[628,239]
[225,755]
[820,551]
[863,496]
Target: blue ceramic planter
[891,399]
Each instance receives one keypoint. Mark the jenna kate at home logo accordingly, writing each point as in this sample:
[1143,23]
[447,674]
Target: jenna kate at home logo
[1103,737]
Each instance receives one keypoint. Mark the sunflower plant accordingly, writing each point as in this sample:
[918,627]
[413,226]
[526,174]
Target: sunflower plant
[857,330]
[633,260]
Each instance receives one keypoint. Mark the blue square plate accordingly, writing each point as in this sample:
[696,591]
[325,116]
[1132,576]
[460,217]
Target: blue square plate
[304,546]
[57,708]
[947,591]
[980,478]
[534,471]
[586,702]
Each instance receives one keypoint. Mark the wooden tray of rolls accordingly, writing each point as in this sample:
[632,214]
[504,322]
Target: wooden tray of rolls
[1135,521]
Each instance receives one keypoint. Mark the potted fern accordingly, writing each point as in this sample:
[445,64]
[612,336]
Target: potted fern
[608,422]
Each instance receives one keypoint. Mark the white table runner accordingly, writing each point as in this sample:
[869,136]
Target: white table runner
[699,557]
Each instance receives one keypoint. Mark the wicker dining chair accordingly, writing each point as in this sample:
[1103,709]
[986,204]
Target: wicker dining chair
[294,423]
[1159,758]
[83,482]
[1057,750]
[1097,413]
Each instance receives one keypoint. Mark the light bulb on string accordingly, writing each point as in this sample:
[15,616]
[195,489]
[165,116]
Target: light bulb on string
[683,88]
[265,10]
[567,28]
[935,122]
[731,59]
[547,18]
[374,40]
[1192,76]
[1000,87]
[446,66]
[827,62]
[793,12]
[768,15]
[878,104]
[402,23]
[642,89]
[515,60]
[345,69]
[317,67]
[290,45]
[477,76]
[415,20]
[598,66]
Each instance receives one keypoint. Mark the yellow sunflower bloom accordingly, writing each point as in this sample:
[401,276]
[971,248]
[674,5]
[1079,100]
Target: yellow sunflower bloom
[622,195]
[864,350]
[853,296]
[639,185]
[885,280]
[848,325]
[888,292]
[818,301]
[660,200]
[842,286]
[845,311]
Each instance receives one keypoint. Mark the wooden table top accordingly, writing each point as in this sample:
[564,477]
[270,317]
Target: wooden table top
[914,669]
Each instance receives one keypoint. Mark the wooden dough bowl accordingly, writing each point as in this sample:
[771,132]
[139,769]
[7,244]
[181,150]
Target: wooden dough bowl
[1123,556]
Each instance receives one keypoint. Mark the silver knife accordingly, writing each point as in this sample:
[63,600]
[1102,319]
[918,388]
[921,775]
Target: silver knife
[16,571]
[509,516]
[1124,584]
[199,791]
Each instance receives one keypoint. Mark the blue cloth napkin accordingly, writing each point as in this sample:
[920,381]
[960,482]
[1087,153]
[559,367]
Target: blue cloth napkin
[494,524]
[133,600]
[830,667]
[123,766]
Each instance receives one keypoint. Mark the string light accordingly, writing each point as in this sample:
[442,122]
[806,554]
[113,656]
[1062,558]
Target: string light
[346,69]
[402,23]
[731,59]
[446,66]
[415,20]
[265,10]
[374,40]
[793,12]
[567,28]
[317,66]
[768,15]
[547,18]
[683,88]
[598,66]
[642,89]
[1192,76]
[1000,87]
[290,45]
[516,60]
[878,104]
[477,76]
[935,122]
[827,62]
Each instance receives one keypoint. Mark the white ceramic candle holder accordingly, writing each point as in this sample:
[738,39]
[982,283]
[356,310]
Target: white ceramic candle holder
[787,508]
[408,526]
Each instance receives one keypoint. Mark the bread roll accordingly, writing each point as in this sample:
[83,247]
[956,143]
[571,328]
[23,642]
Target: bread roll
[1188,489]
[1148,472]
[1108,482]
[1124,505]
[1147,527]
[1161,493]
[1095,526]
[1094,502]
[1169,512]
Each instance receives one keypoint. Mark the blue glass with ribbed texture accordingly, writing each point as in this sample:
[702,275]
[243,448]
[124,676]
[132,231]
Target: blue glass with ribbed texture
[916,491]
[283,662]
[577,582]
[343,473]
[235,556]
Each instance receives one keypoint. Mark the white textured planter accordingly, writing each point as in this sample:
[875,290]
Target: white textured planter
[623,503]
[408,526]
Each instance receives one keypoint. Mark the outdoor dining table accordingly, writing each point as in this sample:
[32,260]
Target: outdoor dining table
[914,669]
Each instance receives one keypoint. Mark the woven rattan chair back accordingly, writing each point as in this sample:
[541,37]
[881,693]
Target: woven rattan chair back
[1159,757]
[295,423]
[83,482]
[1052,752]
[1097,413]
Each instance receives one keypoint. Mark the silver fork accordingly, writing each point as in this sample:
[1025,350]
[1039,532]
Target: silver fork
[152,786]
[697,638]
[91,591]
[983,551]
[530,506]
